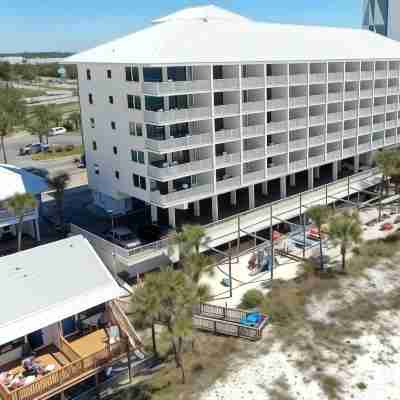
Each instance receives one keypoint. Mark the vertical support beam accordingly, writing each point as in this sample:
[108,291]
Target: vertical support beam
[317,172]
[264,188]
[339,165]
[283,187]
[233,198]
[303,223]
[310,178]
[356,163]
[292,180]
[37,230]
[230,268]
[197,208]
[238,237]
[214,201]
[252,200]
[154,213]
[171,217]
[271,232]
[335,170]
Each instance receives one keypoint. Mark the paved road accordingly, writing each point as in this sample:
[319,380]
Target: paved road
[64,100]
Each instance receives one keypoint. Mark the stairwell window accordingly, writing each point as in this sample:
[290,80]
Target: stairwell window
[90,98]
[116,173]
[115,150]
[111,99]
[88,74]
[109,74]
[92,123]
[94,145]
[113,125]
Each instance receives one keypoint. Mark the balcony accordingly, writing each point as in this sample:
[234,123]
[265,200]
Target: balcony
[393,89]
[349,133]
[227,159]
[378,126]
[299,101]
[275,127]
[226,109]
[277,80]
[181,196]
[378,143]
[365,93]
[390,139]
[254,176]
[316,140]
[170,116]
[297,144]
[228,183]
[337,116]
[364,129]
[317,120]
[392,123]
[335,96]
[380,74]
[253,82]
[175,87]
[277,104]
[226,84]
[349,151]
[253,131]
[393,73]
[298,79]
[173,144]
[317,99]
[380,91]
[173,170]
[253,106]
[335,77]
[276,149]
[253,154]
[363,147]
[275,171]
[297,165]
[391,107]
[315,160]
[297,123]
[366,75]
[333,137]
[365,112]
[379,109]
[350,114]
[333,155]
[317,78]
[227,135]
[351,94]
[352,76]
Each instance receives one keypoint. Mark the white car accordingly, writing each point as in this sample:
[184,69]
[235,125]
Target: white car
[59,130]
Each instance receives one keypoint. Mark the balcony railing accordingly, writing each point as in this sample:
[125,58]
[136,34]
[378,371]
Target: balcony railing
[254,176]
[349,151]
[177,143]
[362,147]
[226,135]
[365,111]
[350,114]
[349,133]
[277,80]
[317,120]
[228,183]
[297,165]
[181,196]
[275,149]
[393,89]
[333,155]
[380,91]
[227,159]
[317,78]
[277,170]
[379,109]
[253,154]
[335,76]
[315,160]
[317,99]
[390,139]
[364,129]
[351,94]
[377,126]
[316,140]
[364,93]
[337,116]
[333,137]
[392,123]
[335,96]
[391,107]
[297,144]
[298,79]
[173,171]
[160,117]
[253,130]
[226,109]
[393,73]
[297,123]
[10,218]
[164,88]
[367,75]
[273,127]
[297,101]
[277,104]
[380,74]
[378,143]
[221,84]
[352,76]
[253,106]
[253,82]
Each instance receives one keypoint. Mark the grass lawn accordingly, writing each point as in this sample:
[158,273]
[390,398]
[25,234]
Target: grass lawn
[75,151]
[28,92]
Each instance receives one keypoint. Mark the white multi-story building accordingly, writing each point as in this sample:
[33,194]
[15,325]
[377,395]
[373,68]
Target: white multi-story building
[205,102]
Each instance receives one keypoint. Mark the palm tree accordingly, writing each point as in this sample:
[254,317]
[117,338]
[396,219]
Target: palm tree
[387,162]
[190,239]
[319,215]
[44,118]
[19,205]
[12,112]
[58,182]
[344,230]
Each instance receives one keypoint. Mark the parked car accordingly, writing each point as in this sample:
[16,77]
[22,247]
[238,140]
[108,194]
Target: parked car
[124,237]
[33,148]
[58,130]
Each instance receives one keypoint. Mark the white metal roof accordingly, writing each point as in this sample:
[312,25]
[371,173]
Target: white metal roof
[48,283]
[16,180]
[223,37]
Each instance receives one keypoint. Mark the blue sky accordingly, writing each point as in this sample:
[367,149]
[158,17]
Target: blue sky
[71,25]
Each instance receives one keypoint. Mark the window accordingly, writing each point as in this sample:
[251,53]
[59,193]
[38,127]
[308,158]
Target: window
[135,180]
[137,156]
[113,125]
[116,174]
[92,123]
[115,150]
[88,75]
[138,104]
[142,183]
[139,130]
[139,181]
[134,102]
[90,98]
[135,129]
[132,74]
[111,99]
[134,156]
[141,157]
[109,74]
[96,169]
[94,145]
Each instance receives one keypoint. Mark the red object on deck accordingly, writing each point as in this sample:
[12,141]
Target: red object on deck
[387,226]
[313,231]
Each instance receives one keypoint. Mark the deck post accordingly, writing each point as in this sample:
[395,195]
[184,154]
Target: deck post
[129,360]
[303,222]
[271,230]
[238,237]
[348,188]
[230,268]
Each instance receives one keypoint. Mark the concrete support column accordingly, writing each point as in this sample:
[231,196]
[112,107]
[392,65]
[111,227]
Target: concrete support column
[316,172]
[252,199]
[283,187]
[196,208]
[233,198]
[214,201]
[154,213]
[339,166]
[264,188]
[37,230]
[335,170]
[356,163]
[310,178]
[369,157]
[171,217]
[292,180]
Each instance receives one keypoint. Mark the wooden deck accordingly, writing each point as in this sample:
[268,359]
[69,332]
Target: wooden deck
[90,343]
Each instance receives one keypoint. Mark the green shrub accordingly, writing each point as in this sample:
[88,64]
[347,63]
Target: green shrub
[69,147]
[68,125]
[252,298]
[58,149]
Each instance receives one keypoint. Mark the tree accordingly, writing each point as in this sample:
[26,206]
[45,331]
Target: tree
[44,118]
[387,161]
[75,118]
[56,115]
[58,182]
[12,112]
[319,215]
[190,239]
[344,230]
[19,205]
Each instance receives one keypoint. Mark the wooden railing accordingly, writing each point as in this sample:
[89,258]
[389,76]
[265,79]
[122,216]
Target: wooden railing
[68,350]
